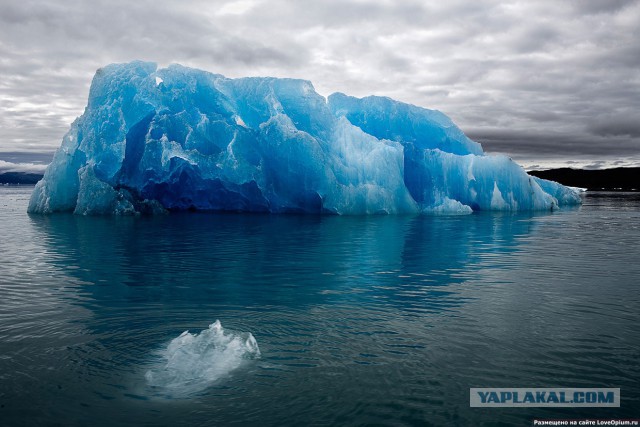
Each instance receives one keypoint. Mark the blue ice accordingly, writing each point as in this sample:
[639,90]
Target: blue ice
[177,138]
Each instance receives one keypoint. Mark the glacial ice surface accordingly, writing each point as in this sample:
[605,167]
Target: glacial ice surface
[176,138]
[192,362]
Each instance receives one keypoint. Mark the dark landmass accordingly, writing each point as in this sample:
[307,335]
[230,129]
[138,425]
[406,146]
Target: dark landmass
[20,178]
[617,179]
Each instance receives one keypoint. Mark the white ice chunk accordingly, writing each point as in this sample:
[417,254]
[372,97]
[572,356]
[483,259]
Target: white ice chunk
[192,362]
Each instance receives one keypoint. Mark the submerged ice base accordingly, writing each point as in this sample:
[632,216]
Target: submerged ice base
[177,138]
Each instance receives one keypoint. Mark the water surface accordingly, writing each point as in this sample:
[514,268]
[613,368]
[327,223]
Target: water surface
[379,319]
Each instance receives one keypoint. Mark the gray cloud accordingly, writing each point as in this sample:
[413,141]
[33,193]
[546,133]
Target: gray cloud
[26,157]
[21,167]
[540,81]
[616,126]
[546,148]
[600,6]
[547,143]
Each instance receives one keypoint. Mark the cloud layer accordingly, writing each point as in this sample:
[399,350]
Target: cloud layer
[545,82]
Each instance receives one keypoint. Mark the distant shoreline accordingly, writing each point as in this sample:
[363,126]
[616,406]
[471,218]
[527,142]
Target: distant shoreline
[616,179]
[19,178]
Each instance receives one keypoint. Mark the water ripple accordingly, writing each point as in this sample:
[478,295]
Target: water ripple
[360,320]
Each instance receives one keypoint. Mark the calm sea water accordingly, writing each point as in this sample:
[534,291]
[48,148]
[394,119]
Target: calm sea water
[385,320]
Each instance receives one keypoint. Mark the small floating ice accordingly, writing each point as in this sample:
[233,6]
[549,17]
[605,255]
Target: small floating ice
[192,362]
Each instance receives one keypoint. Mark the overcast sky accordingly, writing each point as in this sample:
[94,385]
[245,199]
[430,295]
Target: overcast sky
[549,83]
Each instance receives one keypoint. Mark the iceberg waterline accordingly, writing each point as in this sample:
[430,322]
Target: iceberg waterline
[178,138]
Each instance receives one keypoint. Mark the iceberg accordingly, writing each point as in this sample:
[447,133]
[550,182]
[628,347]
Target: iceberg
[153,140]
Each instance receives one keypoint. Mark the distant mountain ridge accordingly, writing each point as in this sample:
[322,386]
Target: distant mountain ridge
[20,178]
[616,179]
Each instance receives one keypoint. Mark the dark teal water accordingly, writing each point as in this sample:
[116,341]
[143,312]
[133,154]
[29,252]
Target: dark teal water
[359,320]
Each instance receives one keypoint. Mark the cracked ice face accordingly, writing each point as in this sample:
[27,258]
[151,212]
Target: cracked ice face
[179,138]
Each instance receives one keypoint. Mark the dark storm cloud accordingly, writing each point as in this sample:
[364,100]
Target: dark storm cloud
[21,157]
[616,126]
[536,80]
[550,144]
[544,149]
[600,6]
